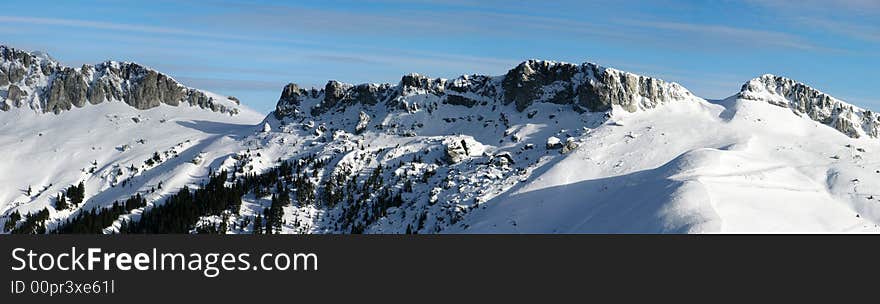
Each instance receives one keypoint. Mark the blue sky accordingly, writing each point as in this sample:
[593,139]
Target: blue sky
[250,49]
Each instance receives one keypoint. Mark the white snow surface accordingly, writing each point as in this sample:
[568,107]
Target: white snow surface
[728,166]
[98,144]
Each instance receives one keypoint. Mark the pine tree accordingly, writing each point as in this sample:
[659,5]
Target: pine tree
[60,202]
[258,225]
[76,194]
[14,217]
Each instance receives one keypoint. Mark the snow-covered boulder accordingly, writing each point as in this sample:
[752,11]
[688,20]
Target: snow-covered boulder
[502,159]
[570,145]
[553,142]
[459,148]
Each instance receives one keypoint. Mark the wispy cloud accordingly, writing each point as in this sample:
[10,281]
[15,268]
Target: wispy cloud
[424,24]
[861,32]
[231,84]
[732,35]
[112,26]
[861,7]
[856,19]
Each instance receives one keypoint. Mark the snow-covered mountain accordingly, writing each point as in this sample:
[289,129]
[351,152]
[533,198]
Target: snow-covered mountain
[806,101]
[548,147]
[38,82]
[100,125]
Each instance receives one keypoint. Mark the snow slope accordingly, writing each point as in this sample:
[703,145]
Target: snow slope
[99,144]
[729,166]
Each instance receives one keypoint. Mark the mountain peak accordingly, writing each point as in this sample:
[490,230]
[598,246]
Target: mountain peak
[39,82]
[804,100]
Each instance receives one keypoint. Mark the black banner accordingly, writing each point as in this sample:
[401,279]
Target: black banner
[333,268]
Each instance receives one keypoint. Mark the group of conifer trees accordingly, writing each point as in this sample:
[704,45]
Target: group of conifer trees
[71,198]
[34,223]
[361,203]
[181,211]
[98,218]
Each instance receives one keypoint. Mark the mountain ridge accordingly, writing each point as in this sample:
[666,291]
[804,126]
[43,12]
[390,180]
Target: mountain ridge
[39,82]
[586,87]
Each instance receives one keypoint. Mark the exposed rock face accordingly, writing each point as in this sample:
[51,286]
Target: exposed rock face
[291,99]
[334,92]
[586,87]
[363,122]
[369,94]
[41,82]
[570,145]
[15,95]
[806,101]
[418,84]
[68,88]
[534,80]
[337,94]
[470,90]
[16,73]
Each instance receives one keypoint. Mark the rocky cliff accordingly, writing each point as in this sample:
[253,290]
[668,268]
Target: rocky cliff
[41,83]
[805,101]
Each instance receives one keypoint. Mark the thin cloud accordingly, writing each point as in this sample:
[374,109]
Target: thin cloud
[862,7]
[855,19]
[340,58]
[230,84]
[856,31]
[728,33]
[133,28]
[423,24]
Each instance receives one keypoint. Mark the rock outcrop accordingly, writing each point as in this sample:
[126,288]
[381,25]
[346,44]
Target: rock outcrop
[459,148]
[806,101]
[42,83]
[570,145]
[586,86]
[363,122]
[553,143]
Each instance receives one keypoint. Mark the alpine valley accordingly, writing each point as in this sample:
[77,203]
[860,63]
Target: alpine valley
[549,147]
